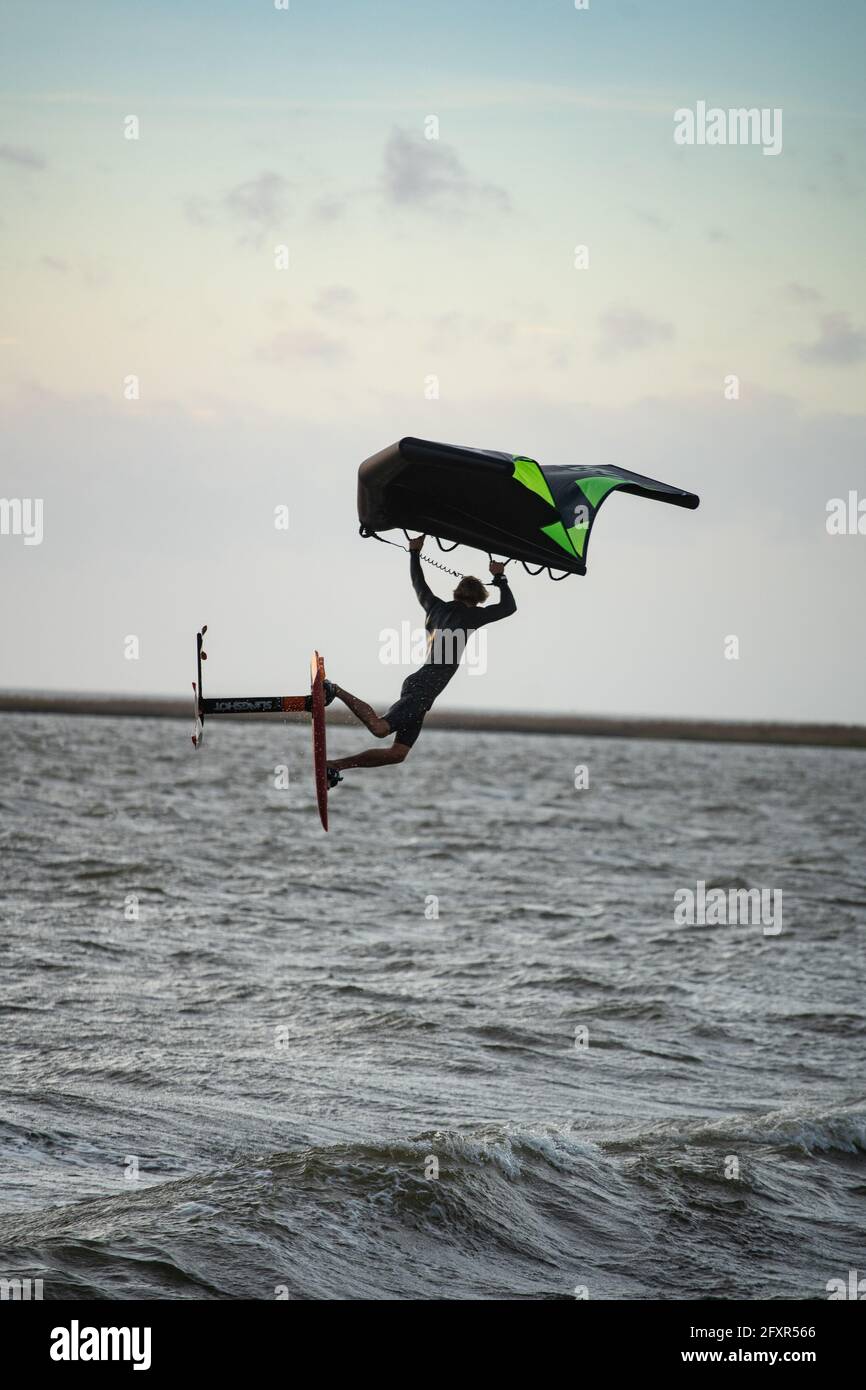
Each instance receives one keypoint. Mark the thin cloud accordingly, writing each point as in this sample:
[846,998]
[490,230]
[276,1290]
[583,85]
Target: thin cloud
[199,211]
[258,204]
[261,201]
[329,208]
[628,330]
[651,219]
[22,156]
[336,302]
[302,345]
[800,294]
[93,271]
[839,343]
[428,174]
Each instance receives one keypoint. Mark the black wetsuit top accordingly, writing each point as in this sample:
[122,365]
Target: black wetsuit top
[450,625]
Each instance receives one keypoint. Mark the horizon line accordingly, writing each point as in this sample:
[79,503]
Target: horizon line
[702,729]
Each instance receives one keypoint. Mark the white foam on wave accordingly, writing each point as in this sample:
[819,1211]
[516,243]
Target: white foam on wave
[505,1147]
[811,1129]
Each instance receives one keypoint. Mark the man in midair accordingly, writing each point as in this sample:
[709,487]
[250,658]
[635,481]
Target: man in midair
[448,624]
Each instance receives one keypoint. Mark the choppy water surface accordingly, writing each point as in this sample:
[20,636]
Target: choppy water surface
[288,1036]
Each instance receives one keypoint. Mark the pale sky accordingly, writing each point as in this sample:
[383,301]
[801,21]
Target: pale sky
[409,259]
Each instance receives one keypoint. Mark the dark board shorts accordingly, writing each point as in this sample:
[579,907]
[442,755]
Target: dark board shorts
[406,717]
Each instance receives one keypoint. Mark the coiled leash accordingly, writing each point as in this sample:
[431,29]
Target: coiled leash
[426,558]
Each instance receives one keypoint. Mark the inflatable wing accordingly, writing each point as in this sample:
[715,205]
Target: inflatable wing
[505,504]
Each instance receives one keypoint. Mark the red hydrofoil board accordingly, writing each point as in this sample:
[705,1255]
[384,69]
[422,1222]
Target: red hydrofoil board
[320,758]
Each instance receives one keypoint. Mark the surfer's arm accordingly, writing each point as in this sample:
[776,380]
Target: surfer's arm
[426,596]
[504,608]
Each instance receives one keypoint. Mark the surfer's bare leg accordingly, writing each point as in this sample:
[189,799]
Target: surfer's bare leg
[367,715]
[372,757]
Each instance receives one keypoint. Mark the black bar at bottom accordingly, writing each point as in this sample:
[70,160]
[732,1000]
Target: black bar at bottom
[211,1336]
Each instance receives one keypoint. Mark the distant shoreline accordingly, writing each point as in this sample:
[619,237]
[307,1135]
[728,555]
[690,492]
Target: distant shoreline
[586,725]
